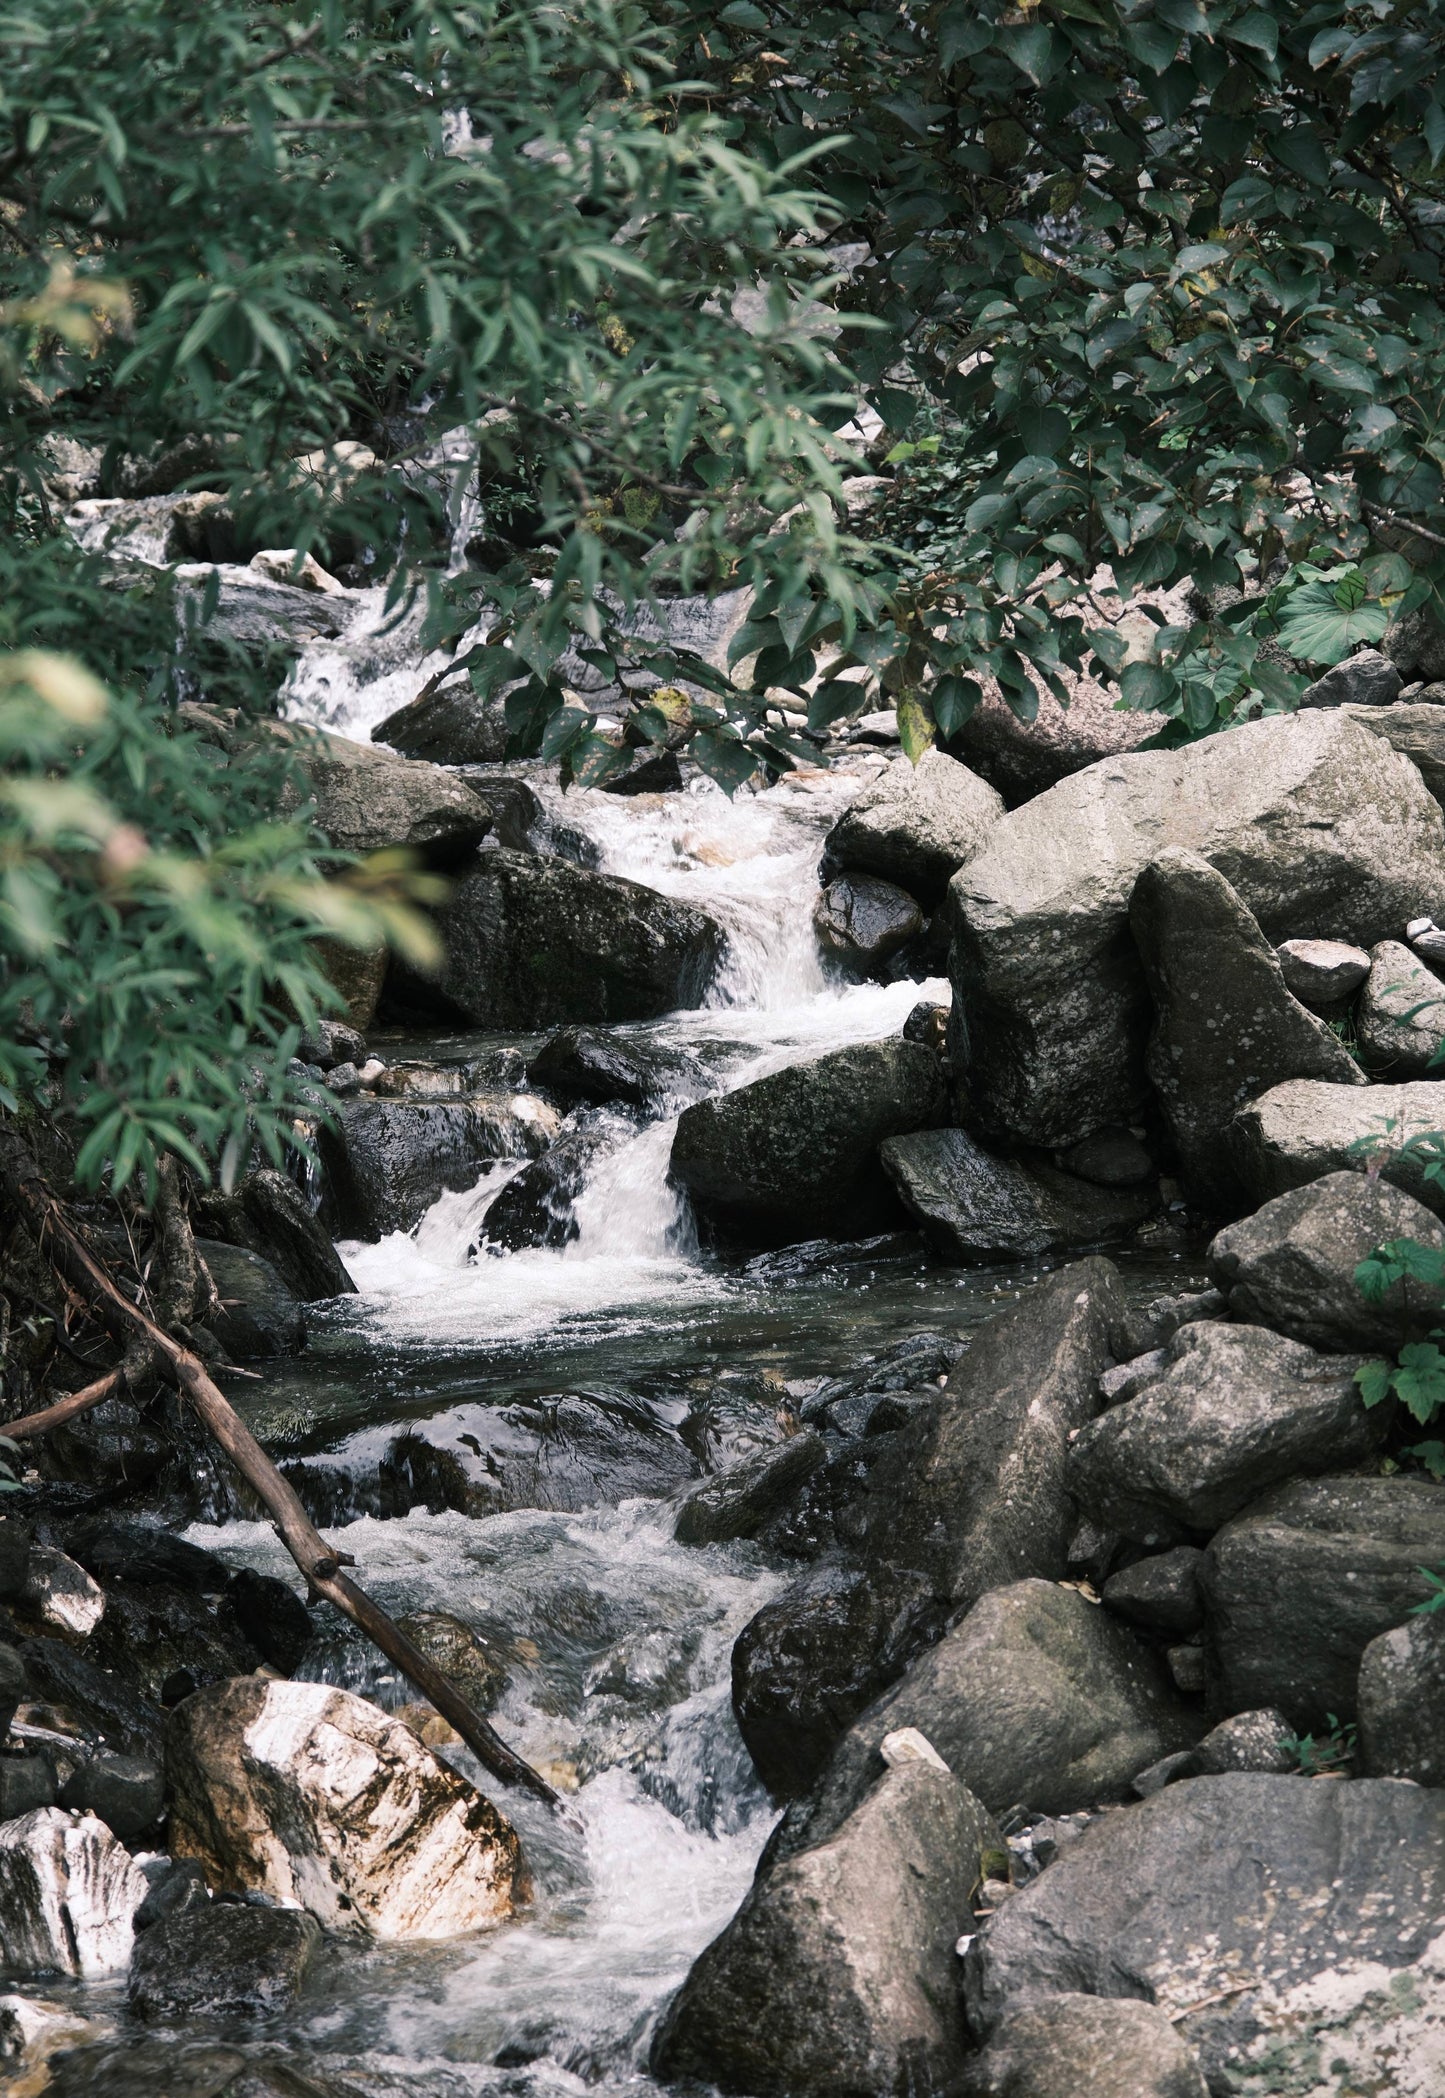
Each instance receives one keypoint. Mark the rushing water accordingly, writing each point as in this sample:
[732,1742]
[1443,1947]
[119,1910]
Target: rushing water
[615,1639]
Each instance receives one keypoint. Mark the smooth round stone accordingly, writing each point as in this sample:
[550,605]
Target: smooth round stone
[1323,972]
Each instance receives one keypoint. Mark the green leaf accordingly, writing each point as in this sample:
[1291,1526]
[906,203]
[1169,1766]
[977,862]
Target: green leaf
[915,726]
[1316,628]
[1257,31]
[962,33]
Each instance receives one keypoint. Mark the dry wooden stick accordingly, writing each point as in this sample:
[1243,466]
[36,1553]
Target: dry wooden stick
[26,1191]
[65,1409]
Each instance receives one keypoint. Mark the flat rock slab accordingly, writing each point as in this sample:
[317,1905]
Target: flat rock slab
[1227,1027]
[976,1208]
[1298,1585]
[1292,1264]
[368,800]
[1302,1130]
[1238,1410]
[1323,974]
[1298,1926]
[1321,829]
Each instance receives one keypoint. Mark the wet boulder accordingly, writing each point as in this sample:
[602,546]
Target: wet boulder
[862,922]
[26,1782]
[144,1553]
[257,1314]
[1298,1585]
[1292,1265]
[606,1070]
[1281,1925]
[846,1403]
[68,1894]
[271,1616]
[268,1214]
[1226,1025]
[318,1799]
[1066,2045]
[535,942]
[448,724]
[387,1161]
[815,1657]
[738,1503]
[972,1494]
[838,1973]
[225,1961]
[1400,1020]
[785,1154]
[1036,1697]
[916,826]
[127,1793]
[461,1654]
[1239,1410]
[154,1632]
[975,1207]
[13,1686]
[1300,1131]
[102,1707]
[537,1207]
[367,800]
[1323,974]
[1321,830]
[1402,1702]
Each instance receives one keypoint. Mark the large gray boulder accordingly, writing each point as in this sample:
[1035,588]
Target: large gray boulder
[1304,1129]
[1402,1702]
[450,725]
[838,1975]
[739,1502]
[387,1161]
[1365,679]
[367,800]
[1287,1929]
[1071,2046]
[268,1214]
[1400,1019]
[1239,1409]
[534,942]
[1037,1697]
[1297,1586]
[975,1207]
[1292,1264]
[1416,731]
[1321,829]
[917,825]
[796,1153]
[973,1494]
[1226,1025]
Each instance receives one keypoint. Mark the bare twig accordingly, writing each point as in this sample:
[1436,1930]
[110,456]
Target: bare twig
[65,1409]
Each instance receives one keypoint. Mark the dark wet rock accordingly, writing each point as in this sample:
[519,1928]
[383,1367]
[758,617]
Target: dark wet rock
[136,2067]
[387,1161]
[13,1685]
[114,1550]
[461,1654]
[127,1793]
[150,1630]
[738,1503]
[1226,1026]
[1400,1020]
[269,1215]
[535,942]
[1290,1920]
[114,1448]
[1160,1594]
[975,1207]
[815,1256]
[1292,1265]
[1298,1585]
[1067,2045]
[450,725]
[1320,829]
[1188,1667]
[1416,731]
[1240,1409]
[928,1024]
[577,1063]
[919,1359]
[838,1973]
[264,618]
[1365,679]
[222,1961]
[830,1513]
[329,1043]
[257,1315]
[16,1538]
[107,1708]
[1323,974]
[1303,1130]
[818,1655]
[366,800]
[917,825]
[26,1782]
[863,922]
[973,1494]
[271,1617]
[537,1207]
[1110,1158]
[1036,1697]
[797,1149]
[656,775]
[1402,1702]
[179,1886]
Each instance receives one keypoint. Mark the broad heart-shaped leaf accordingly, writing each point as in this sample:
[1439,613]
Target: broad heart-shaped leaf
[953,699]
[1044,430]
[1420,1380]
[961,34]
[1315,629]
[1376,1381]
[724,759]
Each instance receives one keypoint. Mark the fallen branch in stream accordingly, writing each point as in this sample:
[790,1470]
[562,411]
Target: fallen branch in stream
[67,1409]
[25,1192]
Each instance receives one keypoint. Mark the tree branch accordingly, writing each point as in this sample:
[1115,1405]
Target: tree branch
[67,1409]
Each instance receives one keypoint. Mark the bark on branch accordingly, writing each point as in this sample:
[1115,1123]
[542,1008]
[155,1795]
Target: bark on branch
[25,1192]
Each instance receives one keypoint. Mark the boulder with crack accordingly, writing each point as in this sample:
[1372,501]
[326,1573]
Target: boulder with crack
[1304,1129]
[917,825]
[975,1207]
